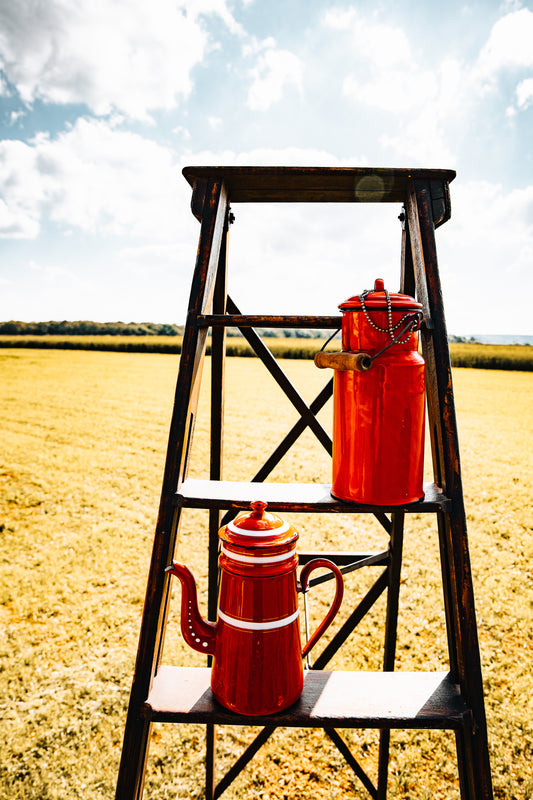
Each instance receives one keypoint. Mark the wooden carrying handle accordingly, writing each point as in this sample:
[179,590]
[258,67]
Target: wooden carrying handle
[358,362]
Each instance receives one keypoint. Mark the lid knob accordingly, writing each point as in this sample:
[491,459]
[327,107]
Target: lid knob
[258,509]
[379,285]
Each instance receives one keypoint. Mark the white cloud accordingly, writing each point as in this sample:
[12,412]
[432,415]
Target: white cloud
[485,254]
[21,191]
[216,7]
[91,177]
[17,223]
[508,52]
[275,70]
[374,42]
[181,131]
[272,157]
[420,143]
[58,276]
[524,93]
[125,55]
[396,91]
[15,116]
[510,44]
[383,72]
[431,106]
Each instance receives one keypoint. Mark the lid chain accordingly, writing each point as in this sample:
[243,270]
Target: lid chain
[391,328]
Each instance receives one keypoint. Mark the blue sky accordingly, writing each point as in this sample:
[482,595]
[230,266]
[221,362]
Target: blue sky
[103,103]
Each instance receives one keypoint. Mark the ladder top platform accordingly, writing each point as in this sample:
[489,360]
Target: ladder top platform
[316,184]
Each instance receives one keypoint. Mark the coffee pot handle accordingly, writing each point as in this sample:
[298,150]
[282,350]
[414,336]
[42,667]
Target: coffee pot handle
[337,600]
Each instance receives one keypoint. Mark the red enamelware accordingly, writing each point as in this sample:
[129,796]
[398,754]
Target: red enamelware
[378,400]
[257,665]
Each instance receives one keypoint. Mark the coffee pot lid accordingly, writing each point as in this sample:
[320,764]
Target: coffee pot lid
[258,526]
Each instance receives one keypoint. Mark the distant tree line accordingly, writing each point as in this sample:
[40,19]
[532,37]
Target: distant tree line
[88,328]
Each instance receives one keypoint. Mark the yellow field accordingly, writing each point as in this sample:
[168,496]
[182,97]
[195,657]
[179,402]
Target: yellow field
[463,354]
[84,437]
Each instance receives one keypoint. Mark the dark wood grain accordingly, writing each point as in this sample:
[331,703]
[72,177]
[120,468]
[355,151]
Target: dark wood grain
[338,699]
[316,184]
[291,497]
[465,662]
[269,321]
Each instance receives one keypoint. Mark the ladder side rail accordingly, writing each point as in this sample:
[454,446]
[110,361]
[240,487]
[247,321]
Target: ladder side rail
[215,210]
[391,627]
[435,338]
[411,275]
[407,271]
[454,552]
[213,227]
[465,661]
[432,398]
[218,369]
[137,731]
[393,594]
[218,363]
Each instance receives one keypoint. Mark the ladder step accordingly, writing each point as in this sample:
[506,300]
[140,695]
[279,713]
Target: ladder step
[337,699]
[291,497]
[262,321]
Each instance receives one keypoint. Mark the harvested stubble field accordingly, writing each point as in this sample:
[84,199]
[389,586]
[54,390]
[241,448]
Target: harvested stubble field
[84,437]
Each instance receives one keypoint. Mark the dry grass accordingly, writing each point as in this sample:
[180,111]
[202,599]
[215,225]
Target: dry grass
[463,354]
[84,439]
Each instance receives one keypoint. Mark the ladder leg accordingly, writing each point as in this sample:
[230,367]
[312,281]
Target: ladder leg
[391,625]
[210,748]
[137,731]
[218,355]
[465,663]
[472,745]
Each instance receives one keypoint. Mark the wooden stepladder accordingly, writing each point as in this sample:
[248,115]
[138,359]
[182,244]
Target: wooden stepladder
[387,700]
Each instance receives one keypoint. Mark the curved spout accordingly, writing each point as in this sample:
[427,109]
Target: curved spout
[199,634]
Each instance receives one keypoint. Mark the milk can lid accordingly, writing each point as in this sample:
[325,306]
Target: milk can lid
[377,298]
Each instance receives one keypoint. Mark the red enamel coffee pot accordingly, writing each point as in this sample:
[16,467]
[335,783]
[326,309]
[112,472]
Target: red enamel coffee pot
[378,400]
[255,643]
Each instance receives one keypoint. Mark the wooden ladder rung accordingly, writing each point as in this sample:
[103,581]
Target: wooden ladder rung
[337,699]
[263,321]
[287,496]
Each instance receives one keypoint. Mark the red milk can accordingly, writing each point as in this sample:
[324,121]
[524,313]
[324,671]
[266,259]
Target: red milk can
[378,400]
[257,665]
